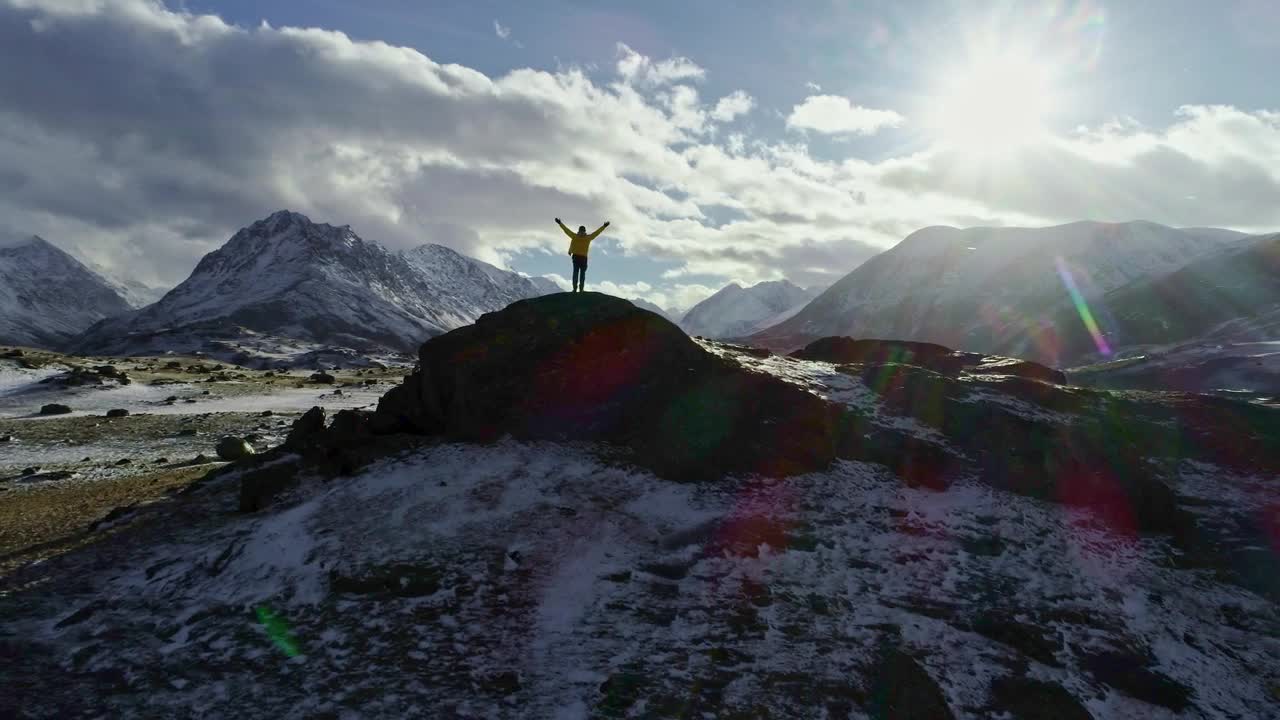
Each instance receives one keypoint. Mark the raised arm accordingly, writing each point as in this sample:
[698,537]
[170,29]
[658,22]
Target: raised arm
[566,230]
[597,232]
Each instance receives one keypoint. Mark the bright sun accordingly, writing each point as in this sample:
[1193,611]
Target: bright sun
[993,104]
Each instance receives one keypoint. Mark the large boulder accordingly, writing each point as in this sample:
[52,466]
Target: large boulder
[234,448]
[938,358]
[592,367]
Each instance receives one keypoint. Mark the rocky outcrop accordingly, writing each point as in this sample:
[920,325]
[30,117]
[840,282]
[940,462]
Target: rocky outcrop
[590,367]
[938,358]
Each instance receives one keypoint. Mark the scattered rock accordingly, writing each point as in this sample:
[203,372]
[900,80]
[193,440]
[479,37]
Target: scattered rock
[171,398]
[173,365]
[266,413]
[107,371]
[55,409]
[123,461]
[234,448]
[323,378]
[162,461]
[6,438]
[187,432]
[29,471]
[14,353]
[117,413]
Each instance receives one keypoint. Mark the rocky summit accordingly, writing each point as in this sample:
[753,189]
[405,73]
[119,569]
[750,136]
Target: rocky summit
[572,509]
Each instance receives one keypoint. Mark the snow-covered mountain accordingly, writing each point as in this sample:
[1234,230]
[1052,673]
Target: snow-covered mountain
[992,289]
[137,294]
[308,284]
[654,308]
[736,311]
[48,297]
[545,285]
[1213,324]
[462,289]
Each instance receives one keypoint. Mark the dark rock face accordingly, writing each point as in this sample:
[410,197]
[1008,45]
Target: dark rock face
[938,358]
[596,368]
[54,409]
[117,413]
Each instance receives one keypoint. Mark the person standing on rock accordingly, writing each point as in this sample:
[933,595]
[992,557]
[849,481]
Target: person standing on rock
[579,243]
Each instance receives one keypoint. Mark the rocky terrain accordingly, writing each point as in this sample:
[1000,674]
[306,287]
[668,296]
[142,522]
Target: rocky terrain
[577,511]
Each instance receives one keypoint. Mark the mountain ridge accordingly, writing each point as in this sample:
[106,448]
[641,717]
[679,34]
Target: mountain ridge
[47,296]
[296,281]
[983,289]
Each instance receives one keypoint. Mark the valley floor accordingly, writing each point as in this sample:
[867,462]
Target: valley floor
[61,474]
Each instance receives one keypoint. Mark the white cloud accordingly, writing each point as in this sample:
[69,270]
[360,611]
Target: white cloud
[732,105]
[813,86]
[182,129]
[642,70]
[558,280]
[835,115]
[501,30]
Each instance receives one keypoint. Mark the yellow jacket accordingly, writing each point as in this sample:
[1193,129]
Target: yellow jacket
[579,244]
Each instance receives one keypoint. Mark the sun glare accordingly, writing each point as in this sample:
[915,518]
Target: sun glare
[992,104]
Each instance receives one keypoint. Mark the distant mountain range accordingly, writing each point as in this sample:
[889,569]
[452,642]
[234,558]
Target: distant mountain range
[296,284]
[48,297]
[1195,308]
[736,311]
[1000,290]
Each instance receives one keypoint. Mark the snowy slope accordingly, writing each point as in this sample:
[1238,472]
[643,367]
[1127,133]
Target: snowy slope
[517,580]
[137,294]
[459,289]
[47,297]
[653,308]
[735,311]
[983,288]
[1213,324]
[290,280]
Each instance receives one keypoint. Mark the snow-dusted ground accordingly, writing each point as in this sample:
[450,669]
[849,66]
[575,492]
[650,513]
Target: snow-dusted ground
[22,395]
[516,580]
[537,580]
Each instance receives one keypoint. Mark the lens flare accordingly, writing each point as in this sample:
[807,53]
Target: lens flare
[1082,307]
[278,630]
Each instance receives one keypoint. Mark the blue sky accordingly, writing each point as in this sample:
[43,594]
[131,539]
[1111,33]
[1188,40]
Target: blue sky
[742,142]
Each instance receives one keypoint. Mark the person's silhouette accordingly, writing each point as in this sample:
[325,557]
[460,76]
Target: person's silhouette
[579,244]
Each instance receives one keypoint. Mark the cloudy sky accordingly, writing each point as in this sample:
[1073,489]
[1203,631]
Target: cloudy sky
[764,142]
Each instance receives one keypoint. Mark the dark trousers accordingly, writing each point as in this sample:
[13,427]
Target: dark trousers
[579,271]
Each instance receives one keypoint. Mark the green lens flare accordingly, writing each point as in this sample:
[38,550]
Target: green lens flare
[278,630]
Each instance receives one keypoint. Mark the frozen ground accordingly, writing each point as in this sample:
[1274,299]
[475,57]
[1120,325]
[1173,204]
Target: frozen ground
[532,581]
[538,580]
[22,395]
